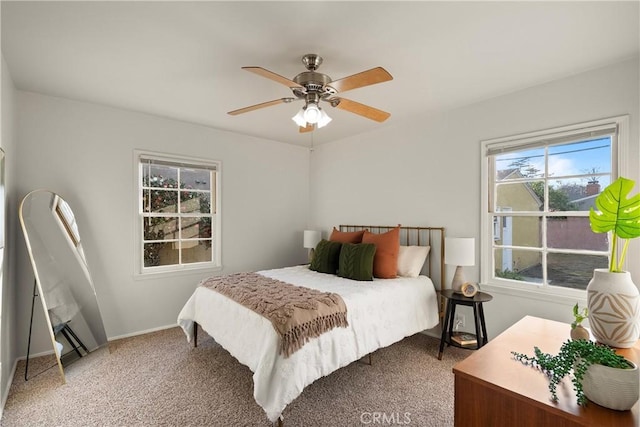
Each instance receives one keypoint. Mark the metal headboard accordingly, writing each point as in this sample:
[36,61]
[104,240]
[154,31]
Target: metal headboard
[419,236]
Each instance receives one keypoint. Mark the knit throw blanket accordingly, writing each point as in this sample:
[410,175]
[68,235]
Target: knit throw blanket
[296,313]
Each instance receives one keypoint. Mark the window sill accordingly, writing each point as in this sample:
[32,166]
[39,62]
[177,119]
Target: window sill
[155,275]
[560,296]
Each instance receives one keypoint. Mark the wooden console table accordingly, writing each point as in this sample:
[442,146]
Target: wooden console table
[492,389]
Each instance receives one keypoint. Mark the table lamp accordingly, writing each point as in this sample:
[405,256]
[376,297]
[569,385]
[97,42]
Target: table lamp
[310,241]
[459,251]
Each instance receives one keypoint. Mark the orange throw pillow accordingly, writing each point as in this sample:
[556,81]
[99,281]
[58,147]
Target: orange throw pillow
[385,261]
[346,236]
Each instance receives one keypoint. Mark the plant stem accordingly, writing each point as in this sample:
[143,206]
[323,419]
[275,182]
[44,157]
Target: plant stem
[624,253]
[612,263]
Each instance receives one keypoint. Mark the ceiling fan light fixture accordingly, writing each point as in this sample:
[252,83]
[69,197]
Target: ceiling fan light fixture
[324,119]
[312,113]
[299,118]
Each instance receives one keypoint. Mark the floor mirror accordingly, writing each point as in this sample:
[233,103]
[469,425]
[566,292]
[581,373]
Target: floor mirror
[62,278]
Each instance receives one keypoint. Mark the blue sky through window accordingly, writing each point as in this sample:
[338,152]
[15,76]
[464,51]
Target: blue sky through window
[576,158]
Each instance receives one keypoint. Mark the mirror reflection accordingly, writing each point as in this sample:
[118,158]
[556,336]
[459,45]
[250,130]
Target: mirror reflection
[62,278]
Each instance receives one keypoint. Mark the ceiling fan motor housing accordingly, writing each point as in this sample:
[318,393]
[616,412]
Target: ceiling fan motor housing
[312,61]
[313,82]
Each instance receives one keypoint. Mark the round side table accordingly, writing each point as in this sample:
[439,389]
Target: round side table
[455,299]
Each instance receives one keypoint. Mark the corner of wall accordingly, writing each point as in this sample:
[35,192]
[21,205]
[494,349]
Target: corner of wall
[8,339]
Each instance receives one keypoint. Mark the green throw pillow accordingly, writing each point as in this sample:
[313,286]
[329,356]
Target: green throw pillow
[356,261]
[326,257]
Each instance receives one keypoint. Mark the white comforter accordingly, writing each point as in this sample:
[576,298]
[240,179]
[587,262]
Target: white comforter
[380,313]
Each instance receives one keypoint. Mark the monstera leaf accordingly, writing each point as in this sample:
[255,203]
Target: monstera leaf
[617,213]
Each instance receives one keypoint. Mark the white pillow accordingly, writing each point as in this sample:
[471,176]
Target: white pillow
[411,259]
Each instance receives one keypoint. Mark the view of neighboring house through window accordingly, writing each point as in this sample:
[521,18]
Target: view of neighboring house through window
[540,188]
[178,205]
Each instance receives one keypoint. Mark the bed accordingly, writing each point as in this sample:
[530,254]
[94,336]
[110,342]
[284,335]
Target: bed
[379,313]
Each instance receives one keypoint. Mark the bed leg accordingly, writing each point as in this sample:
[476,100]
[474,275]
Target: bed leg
[370,361]
[195,334]
[280,423]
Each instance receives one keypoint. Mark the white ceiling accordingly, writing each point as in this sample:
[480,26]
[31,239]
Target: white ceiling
[182,59]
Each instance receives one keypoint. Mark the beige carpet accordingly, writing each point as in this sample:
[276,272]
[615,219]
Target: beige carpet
[158,379]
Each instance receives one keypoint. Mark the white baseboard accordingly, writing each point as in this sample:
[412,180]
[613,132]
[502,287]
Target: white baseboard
[117,337]
[135,334]
[5,392]
[32,356]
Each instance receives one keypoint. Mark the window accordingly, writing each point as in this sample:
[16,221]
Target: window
[178,223]
[539,188]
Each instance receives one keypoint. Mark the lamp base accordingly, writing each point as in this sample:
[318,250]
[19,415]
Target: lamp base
[458,280]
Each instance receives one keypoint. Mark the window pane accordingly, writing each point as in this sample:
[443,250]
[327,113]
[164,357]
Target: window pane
[195,202]
[562,194]
[165,201]
[158,254]
[517,264]
[580,158]
[195,179]
[521,196]
[204,228]
[160,228]
[159,176]
[517,231]
[528,163]
[575,233]
[575,194]
[190,227]
[573,270]
[196,251]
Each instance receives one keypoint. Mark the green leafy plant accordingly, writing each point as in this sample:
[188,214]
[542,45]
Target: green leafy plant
[508,274]
[620,215]
[579,316]
[575,356]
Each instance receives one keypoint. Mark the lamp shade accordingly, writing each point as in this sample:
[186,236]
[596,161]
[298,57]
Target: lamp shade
[312,113]
[324,119]
[299,118]
[311,239]
[460,251]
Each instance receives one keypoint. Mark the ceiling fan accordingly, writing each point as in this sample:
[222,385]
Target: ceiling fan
[312,87]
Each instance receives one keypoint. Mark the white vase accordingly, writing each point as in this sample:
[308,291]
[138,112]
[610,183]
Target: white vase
[614,308]
[610,387]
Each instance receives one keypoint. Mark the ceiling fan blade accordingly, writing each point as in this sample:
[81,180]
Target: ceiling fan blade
[365,78]
[309,128]
[273,76]
[360,109]
[258,106]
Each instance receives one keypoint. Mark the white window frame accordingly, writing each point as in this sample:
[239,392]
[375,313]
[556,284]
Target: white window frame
[619,167]
[140,271]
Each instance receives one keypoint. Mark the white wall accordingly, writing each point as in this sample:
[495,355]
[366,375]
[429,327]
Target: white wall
[8,312]
[426,172]
[85,153]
